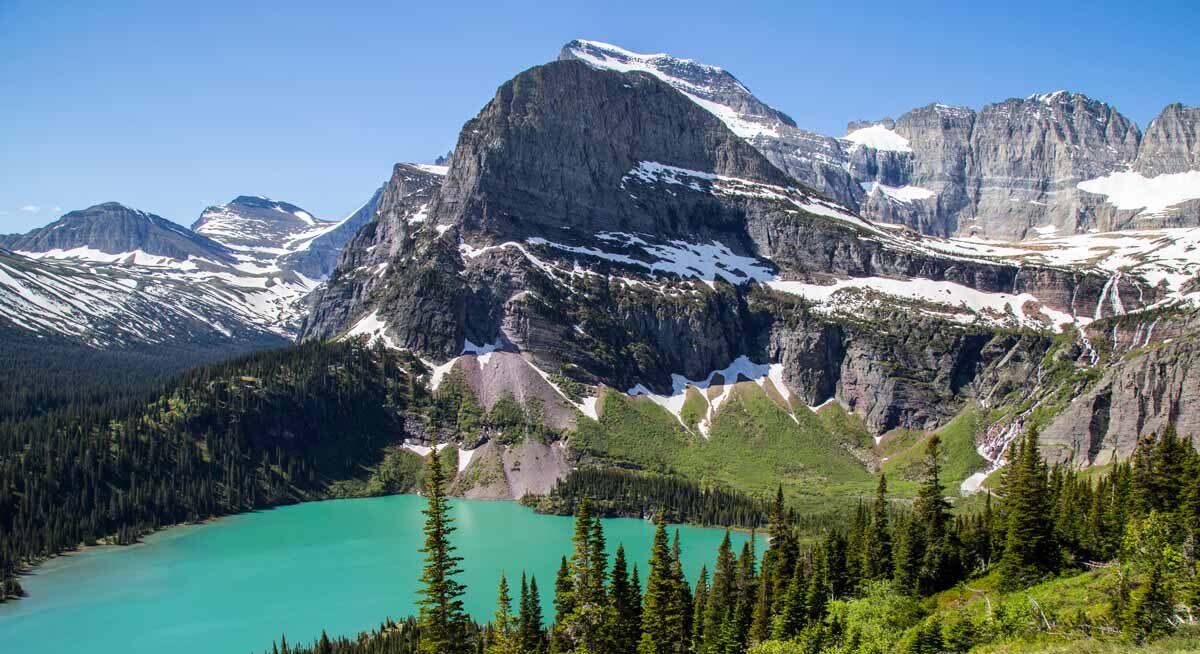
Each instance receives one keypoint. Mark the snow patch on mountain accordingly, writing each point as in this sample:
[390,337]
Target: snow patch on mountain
[878,137]
[706,84]
[967,304]
[1150,196]
[716,388]
[906,193]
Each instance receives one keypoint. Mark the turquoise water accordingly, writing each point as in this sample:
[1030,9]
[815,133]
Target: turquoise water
[236,584]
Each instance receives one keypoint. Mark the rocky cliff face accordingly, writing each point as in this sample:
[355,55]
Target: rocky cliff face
[1171,143]
[1017,169]
[1152,383]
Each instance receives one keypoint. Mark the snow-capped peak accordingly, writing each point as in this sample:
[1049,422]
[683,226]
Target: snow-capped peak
[1050,98]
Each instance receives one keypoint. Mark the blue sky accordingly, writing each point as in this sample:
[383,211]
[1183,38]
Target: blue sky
[170,108]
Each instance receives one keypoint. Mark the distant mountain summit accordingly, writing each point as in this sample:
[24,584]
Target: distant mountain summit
[252,223]
[115,229]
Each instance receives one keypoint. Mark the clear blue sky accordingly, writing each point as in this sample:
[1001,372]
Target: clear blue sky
[170,107]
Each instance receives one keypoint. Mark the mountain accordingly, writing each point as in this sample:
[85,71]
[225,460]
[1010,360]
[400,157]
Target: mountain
[1050,163]
[604,242]
[114,232]
[113,276]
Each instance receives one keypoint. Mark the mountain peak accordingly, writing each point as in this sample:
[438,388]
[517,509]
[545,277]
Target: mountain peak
[114,228]
[711,87]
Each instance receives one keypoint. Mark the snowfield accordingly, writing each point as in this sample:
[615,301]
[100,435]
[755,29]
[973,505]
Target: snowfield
[1150,196]
[878,137]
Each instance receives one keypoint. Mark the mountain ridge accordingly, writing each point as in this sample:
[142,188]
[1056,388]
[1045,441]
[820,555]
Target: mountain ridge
[964,177]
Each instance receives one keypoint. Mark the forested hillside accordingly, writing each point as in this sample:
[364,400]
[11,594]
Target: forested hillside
[267,429]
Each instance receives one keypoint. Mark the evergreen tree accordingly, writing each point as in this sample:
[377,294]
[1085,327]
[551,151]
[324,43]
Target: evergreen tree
[531,636]
[504,637]
[722,595]
[661,622]
[441,617]
[626,628]
[877,538]
[699,603]
[1029,548]
[793,613]
[681,602]
[582,628]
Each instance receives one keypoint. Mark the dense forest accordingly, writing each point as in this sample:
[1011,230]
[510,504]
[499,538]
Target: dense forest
[56,373]
[266,429]
[614,492]
[886,581]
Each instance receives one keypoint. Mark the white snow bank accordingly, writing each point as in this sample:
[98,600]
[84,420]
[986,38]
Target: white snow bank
[464,458]
[610,57]
[431,168]
[936,292]
[906,193]
[705,261]
[974,483]
[880,138]
[1152,195]
[374,328]
[424,450]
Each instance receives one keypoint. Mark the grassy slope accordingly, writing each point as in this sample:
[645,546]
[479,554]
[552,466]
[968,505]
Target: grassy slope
[905,451]
[1062,601]
[752,446]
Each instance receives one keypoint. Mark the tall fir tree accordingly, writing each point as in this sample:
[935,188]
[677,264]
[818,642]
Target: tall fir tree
[699,603]
[661,622]
[440,618]
[722,594]
[877,538]
[626,628]
[1030,551]
[504,637]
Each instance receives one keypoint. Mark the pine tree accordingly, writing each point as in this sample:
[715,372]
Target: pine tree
[582,628]
[681,602]
[441,617]
[503,636]
[660,620]
[877,538]
[530,628]
[564,597]
[793,613]
[1029,548]
[722,595]
[626,627]
[699,603]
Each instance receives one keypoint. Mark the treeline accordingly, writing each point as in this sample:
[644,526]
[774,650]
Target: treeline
[859,588]
[267,429]
[613,492]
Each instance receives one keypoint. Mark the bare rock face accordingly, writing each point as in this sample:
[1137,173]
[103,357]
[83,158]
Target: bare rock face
[371,251]
[551,151]
[319,256]
[1028,156]
[1171,143]
[1142,393]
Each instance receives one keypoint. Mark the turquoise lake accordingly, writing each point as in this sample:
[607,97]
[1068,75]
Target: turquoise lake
[236,584]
